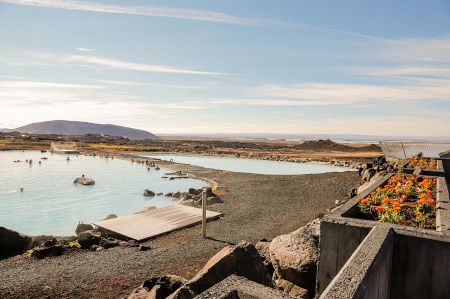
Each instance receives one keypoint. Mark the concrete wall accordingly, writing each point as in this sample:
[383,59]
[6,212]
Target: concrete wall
[420,268]
[338,241]
[367,272]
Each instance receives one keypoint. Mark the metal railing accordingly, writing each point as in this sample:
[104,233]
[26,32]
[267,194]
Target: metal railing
[406,150]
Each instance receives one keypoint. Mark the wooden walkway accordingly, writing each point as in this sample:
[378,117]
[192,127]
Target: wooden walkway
[146,225]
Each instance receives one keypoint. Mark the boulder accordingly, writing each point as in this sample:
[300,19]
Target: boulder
[143,247]
[291,289]
[149,192]
[88,238]
[263,247]
[43,252]
[110,216]
[176,195]
[194,191]
[294,256]
[367,174]
[108,243]
[213,200]
[242,259]
[84,181]
[158,287]
[82,227]
[13,243]
[50,243]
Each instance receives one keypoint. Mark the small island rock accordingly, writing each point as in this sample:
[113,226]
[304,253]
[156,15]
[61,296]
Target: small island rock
[148,193]
[84,181]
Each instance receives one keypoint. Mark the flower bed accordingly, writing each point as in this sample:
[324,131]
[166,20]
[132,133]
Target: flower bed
[424,163]
[403,199]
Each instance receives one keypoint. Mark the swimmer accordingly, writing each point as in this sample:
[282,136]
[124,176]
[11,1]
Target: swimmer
[21,189]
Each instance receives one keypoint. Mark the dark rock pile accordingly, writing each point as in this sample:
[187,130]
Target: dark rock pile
[13,243]
[194,197]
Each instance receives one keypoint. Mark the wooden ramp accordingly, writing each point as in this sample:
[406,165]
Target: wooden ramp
[146,225]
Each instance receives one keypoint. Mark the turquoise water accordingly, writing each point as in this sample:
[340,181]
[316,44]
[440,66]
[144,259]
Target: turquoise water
[52,204]
[250,165]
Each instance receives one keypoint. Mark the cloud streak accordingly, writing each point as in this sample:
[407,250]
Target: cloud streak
[154,11]
[126,65]
[333,94]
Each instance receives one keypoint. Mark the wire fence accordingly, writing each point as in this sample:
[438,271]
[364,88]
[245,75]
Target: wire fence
[406,150]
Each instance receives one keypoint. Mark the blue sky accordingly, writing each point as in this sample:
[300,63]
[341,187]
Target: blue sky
[349,67]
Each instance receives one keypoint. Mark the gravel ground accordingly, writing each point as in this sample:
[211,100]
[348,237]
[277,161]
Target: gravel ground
[256,207]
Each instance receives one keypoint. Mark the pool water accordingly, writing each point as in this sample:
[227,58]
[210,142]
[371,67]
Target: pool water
[52,204]
[249,165]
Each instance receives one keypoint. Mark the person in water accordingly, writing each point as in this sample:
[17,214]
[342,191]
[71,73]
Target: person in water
[21,189]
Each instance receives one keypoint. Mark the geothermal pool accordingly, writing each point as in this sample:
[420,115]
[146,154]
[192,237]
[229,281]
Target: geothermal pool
[249,165]
[51,204]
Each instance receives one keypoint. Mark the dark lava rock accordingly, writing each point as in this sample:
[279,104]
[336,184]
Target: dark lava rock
[110,216]
[50,243]
[166,284]
[82,227]
[13,243]
[108,243]
[84,181]
[43,252]
[87,239]
[148,193]
[144,247]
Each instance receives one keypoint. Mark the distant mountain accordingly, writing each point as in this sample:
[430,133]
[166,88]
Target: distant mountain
[65,127]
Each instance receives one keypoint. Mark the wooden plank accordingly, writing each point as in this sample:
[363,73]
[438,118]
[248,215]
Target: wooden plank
[149,224]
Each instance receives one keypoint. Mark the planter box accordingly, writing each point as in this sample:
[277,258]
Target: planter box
[425,171]
[341,233]
[395,263]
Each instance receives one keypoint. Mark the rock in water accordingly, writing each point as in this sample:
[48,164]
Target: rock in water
[294,256]
[12,243]
[149,192]
[84,181]
[110,216]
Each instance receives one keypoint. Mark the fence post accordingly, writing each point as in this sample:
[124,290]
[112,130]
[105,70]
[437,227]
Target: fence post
[204,212]
[404,153]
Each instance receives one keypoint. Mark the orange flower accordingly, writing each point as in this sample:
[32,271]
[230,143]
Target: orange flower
[430,201]
[378,208]
[385,201]
[364,201]
[420,201]
[397,208]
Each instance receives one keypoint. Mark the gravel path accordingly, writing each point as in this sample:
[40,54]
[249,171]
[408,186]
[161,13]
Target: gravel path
[256,207]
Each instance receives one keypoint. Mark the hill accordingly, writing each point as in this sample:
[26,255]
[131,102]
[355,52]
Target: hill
[64,127]
[329,145]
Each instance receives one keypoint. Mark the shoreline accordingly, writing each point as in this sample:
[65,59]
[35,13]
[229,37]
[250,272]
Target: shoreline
[255,207]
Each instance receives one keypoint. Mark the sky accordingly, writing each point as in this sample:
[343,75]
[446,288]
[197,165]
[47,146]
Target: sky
[279,67]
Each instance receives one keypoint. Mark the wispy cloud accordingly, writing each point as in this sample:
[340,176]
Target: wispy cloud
[126,65]
[330,94]
[155,11]
[85,49]
[98,62]
[165,86]
[183,13]
[416,71]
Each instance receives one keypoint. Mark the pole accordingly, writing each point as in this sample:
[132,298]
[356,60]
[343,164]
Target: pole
[404,153]
[204,212]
